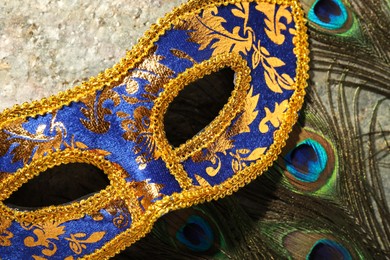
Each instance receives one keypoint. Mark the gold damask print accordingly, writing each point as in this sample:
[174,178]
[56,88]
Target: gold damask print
[275,118]
[119,207]
[225,141]
[5,235]
[137,130]
[78,241]
[208,30]
[136,126]
[273,79]
[244,156]
[95,112]
[273,23]
[31,145]
[44,236]
[154,72]
[182,55]
[146,192]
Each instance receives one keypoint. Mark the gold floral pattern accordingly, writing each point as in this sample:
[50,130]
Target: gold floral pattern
[44,235]
[208,31]
[274,26]
[78,241]
[146,192]
[31,145]
[95,111]
[226,142]
[275,118]
[5,235]
[274,80]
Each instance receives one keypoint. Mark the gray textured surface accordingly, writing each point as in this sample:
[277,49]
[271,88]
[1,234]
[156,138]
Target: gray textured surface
[47,46]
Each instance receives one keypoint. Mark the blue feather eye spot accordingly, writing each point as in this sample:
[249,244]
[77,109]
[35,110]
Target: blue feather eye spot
[328,249]
[307,160]
[196,234]
[329,14]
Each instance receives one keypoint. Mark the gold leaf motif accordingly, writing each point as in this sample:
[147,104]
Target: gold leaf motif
[182,55]
[5,235]
[248,115]
[154,72]
[243,156]
[275,118]
[211,171]
[202,181]
[119,207]
[207,30]
[273,79]
[137,131]
[136,126]
[39,257]
[44,234]
[77,242]
[95,111]
[31,145]
[274,25]
[145,192]
[225,141]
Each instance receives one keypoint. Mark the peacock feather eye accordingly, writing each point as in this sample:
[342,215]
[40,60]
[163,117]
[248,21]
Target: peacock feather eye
[330,14]
[307,160]
[196,234]
[328,249]
[308,163]
[332,17]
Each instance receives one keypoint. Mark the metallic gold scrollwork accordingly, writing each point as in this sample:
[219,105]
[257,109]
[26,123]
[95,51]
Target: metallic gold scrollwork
[275,118]
[5,235]
[31,145]
[225,141]
[274,26]
[95,111]
[44,235]
[78,241]
[208,30]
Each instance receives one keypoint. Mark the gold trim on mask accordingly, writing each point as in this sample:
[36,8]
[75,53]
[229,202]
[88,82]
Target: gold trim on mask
[75,210]
[143,220]
[174,157]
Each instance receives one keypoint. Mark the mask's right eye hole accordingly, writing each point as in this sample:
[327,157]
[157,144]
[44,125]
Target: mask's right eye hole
[59,185]
[197,105]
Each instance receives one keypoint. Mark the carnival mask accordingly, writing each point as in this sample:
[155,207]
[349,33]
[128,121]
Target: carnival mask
[115,121]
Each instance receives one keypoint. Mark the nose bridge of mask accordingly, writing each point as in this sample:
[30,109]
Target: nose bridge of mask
[116,124]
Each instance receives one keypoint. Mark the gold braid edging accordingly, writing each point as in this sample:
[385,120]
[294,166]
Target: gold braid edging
[111,77]
[77,209]
[174,157]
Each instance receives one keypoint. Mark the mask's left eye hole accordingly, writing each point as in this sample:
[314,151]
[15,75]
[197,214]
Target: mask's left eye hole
[197,105]
[59,185]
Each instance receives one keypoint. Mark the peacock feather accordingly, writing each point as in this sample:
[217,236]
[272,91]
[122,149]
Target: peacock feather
[325,197]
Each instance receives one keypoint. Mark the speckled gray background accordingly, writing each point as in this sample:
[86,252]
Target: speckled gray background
[51,45]
[47,46]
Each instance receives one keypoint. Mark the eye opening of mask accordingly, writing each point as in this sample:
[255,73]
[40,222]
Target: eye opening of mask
[59,185]
[197,105]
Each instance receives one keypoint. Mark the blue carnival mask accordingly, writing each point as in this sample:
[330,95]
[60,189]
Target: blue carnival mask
[115,122]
